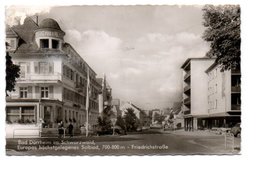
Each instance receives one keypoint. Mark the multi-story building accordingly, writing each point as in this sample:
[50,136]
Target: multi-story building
[224,97]
[53,78]
[195,90]
[211,97]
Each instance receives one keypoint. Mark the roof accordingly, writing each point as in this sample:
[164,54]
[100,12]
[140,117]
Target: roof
[49,23]
[10,33]
[196,59]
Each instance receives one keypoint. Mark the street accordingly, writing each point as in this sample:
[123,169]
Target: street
[150,142]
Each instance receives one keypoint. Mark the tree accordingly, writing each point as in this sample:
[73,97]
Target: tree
[121,123]
[130,120]
[104,121]
[12,73]
[223,32]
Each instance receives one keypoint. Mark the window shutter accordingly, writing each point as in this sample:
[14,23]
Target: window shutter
[36,67]
[51,67]
[37,92]
[29,91]
[28,68]
[51,92]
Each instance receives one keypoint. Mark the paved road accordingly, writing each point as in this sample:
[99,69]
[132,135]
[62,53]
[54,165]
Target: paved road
[149,143]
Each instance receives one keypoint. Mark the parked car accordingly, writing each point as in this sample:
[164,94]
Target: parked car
[236,130]
[155,126]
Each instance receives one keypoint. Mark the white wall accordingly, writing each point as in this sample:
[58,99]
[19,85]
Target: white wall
[199,86]
[222,94]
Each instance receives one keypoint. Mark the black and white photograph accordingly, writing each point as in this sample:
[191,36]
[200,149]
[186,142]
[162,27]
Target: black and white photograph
[148,89]
[123,80]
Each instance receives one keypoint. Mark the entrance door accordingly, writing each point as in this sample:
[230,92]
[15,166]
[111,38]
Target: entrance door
[47,116]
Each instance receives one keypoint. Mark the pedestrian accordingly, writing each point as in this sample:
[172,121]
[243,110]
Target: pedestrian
[70,128]
[60,129]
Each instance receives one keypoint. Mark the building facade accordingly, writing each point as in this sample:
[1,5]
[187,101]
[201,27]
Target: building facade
[53,78]
[211,97]
[224,98]
[195,90]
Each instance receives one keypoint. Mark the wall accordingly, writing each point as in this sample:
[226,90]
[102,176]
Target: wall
[199,86]
[219,84]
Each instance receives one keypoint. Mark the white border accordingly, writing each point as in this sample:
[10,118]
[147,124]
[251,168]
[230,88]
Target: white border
[155,167]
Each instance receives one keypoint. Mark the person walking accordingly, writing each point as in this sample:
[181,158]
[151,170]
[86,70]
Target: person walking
[60,129]
[70,128]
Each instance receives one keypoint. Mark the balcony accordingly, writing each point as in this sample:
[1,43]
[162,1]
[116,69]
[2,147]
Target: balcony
[42,77]
[186,112]
[187,75]
[186,88]
[187,100]
[235,71]
[235,106]
[79,87]
[235,89]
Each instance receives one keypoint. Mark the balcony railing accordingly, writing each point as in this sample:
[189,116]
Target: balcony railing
[42,77]
[186,88]
[235,89]
[187,100]
[235,71]
[187,75]
[235,107]
[79,87]
[186,112]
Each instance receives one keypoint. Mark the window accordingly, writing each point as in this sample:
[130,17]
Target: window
[23,92]
[43,67]
[44,43]
[44,92]
[22,69]
[12,44]
[21,115]
[55,44]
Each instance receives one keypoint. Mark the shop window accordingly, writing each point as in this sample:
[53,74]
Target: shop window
[44,43]
[55,44]
[21,115]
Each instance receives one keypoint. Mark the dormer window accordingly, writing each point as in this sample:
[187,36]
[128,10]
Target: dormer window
[44,43]
[55,44]
[12,43]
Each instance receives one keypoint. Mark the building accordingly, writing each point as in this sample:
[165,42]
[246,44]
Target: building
[195,90]
[105,95]
[115,103]
[224,98]
[140,114]
[53,82]
[211,97]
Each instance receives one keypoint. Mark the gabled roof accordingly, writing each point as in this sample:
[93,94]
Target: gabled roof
[10,33]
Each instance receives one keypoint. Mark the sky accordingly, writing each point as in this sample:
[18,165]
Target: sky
[140,49]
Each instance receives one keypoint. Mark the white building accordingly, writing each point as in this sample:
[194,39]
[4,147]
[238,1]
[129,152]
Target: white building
[195,90]
[53,81]
[211,97]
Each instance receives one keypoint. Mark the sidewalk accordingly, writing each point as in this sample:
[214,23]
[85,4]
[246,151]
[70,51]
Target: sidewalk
[193,133]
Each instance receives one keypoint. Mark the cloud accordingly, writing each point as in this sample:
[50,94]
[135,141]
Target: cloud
[97,44]
[148,73]
[16,14]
